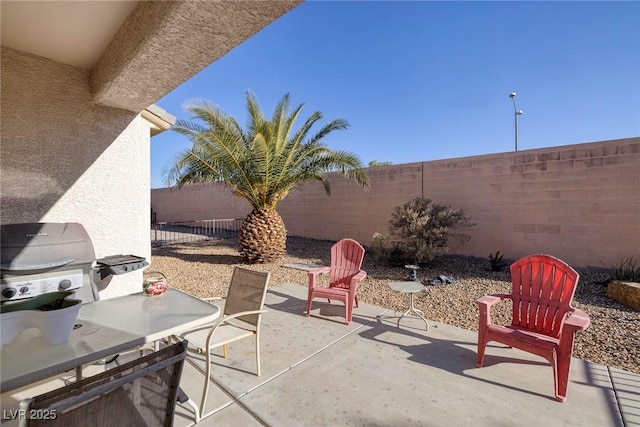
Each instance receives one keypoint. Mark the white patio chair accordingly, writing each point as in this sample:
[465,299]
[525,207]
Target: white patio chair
[242,313]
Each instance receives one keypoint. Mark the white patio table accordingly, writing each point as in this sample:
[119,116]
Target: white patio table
[411,288]
[106,327]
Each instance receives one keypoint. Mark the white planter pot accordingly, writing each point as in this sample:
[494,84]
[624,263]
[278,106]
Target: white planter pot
[55,324]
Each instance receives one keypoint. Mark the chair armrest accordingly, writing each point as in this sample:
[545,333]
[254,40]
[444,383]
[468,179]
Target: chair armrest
[313,274]
[228,317]
[239,314]
[489,300]
[215,325]
[317,271]
[357,278]
[484,304]
[577,321]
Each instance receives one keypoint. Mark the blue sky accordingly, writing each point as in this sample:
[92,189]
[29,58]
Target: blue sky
[426,80]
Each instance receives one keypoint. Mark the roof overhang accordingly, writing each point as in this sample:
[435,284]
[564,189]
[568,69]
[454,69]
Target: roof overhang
[160,120]
[136,52]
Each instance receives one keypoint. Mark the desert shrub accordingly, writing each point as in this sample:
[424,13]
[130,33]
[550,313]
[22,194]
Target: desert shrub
[397,257]
[378,248]
[420,230]
[627,270]
[383,250]
[496,263]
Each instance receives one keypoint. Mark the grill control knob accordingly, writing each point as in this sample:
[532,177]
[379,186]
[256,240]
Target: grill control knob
[64,284]
[9,293]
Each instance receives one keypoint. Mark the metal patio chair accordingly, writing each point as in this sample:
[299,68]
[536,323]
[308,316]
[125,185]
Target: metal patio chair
[139,393]
[243,309]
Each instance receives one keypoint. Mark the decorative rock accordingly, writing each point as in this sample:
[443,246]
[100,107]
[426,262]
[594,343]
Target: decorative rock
[628,293]
[204,270]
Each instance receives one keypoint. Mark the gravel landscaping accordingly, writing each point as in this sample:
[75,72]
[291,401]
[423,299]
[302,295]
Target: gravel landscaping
[613,339]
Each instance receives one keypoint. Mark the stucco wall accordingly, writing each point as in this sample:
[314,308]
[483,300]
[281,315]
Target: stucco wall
[66,159]
[578,202]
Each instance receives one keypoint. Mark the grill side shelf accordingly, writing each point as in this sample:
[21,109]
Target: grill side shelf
[119,264]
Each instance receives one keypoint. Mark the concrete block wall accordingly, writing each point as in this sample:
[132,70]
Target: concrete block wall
[350,211]
[197,202]
[578,202]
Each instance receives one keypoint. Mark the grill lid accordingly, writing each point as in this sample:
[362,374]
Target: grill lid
[31,247]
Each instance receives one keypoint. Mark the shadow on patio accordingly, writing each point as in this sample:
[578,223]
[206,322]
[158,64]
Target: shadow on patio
[318,371]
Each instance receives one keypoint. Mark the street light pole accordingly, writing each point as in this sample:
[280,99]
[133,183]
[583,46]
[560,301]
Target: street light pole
[516,114]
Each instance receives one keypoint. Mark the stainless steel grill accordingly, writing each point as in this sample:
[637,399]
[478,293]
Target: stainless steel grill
[37,258]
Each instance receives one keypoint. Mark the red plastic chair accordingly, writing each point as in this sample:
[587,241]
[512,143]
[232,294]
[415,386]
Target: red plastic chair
[344,275]
[544,322]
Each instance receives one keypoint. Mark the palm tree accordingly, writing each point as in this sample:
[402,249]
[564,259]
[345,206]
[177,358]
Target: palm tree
[260,164]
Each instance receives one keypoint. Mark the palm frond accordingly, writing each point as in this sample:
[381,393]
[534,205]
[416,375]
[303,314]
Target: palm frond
[333,125]
[267,160]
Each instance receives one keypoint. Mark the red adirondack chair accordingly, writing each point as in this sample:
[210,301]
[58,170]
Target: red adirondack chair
[544,322]
[344,275]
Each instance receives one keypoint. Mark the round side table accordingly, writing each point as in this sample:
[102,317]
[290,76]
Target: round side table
[410,288]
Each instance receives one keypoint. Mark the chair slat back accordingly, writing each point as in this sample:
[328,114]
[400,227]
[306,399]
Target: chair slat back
[346,262]
[247,292]
[542,290]
[140,392]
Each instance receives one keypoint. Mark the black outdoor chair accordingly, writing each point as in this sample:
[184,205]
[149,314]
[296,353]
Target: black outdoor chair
[142,392]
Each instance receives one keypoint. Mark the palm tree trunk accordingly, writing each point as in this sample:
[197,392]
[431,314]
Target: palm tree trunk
[263,236]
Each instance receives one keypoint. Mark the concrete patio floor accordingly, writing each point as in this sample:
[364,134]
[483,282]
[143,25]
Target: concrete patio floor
[318,371]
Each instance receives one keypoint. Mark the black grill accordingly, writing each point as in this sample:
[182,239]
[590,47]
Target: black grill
[37,258]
